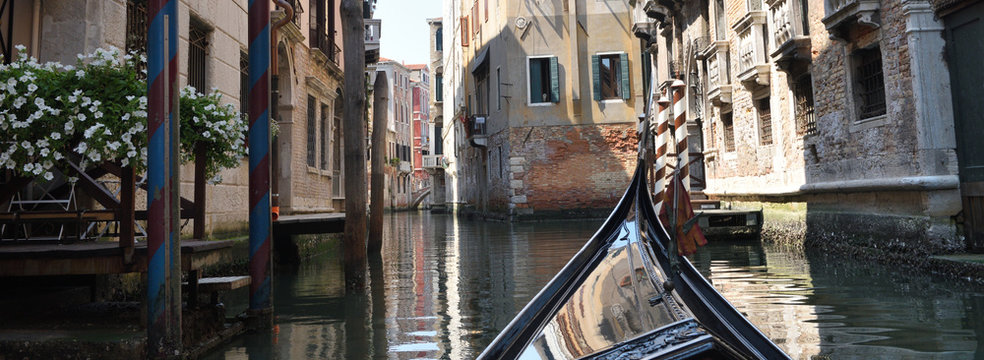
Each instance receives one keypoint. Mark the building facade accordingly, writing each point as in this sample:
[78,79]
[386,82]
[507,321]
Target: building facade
[420,93]
[838,117]
[542,104]
[213,51]
[434,163]
[399,133]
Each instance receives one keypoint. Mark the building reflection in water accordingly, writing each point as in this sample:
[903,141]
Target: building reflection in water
[450,284]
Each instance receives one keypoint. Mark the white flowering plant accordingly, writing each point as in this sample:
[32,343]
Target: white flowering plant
[219,128]
[95,112]
[91,112]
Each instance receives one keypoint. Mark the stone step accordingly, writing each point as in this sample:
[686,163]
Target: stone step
[704,204]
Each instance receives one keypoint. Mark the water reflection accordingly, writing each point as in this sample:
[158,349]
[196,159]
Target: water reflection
[450,284]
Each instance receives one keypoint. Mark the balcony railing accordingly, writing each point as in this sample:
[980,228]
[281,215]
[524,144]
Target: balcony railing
[477,132]
[373,33]
[325,44]
[840,14]
[432,161]
[790,33]
[718,75]
[753,66]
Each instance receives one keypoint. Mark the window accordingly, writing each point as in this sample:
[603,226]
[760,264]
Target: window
[544,80]
[486,10]
[729,131]
[336,149]
[806,121]
[439,39]
[765,121]
[197,51]
[475,22]
[136,29]
[482,89]
[869,89]
[464,31]
[498,88]
[312,132]
[720,25]
[244,86]
[324,136]
[611,76]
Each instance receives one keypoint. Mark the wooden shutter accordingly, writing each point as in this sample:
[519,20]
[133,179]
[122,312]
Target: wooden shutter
[554,80]
[596,77]
[625,75]
[464,31]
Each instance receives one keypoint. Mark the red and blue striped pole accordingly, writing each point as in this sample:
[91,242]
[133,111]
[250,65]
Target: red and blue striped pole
[260,259]
[162,19]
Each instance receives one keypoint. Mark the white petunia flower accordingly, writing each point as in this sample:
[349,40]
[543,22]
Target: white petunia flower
[82,117]
[48,175]
[31,88]
[97,114]
[95,156]
[79,74]
[81,148]
[58,156]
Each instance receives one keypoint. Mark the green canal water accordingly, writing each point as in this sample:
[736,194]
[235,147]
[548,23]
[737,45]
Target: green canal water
[447,285]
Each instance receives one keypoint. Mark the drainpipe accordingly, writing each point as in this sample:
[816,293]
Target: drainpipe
[575,51]
[275,92]
[36,31]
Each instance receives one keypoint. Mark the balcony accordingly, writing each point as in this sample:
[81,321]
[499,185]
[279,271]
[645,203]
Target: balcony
[642,26]
[373,32]
[753,65]
[718,76]
[477,133]
[432,162]
[790,35]
[841,15]
[323,47]
[405,167]
[656,11]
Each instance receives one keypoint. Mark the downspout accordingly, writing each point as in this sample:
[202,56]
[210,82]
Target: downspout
[36,31]
[275,93]
[575,51]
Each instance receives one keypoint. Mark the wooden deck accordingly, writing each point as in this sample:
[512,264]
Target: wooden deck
[97,258]
[322,223]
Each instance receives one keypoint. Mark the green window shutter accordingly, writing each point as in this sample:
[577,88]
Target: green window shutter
[536,88]
[625,75]
[596,77]
[554,80]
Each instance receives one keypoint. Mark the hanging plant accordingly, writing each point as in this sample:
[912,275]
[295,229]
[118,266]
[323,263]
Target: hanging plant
[96,111]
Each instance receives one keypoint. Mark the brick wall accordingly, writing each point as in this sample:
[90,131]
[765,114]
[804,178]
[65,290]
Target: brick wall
[575,169]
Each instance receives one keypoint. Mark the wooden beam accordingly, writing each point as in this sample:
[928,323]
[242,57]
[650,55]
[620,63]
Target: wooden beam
[93,188]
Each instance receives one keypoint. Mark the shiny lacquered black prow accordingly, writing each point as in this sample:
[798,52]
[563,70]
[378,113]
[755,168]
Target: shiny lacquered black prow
[514,339]
[710,308]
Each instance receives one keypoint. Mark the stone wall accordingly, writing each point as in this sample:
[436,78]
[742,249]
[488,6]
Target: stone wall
[576,170]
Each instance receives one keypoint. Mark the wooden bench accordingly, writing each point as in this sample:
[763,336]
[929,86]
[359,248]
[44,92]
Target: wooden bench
[214,285]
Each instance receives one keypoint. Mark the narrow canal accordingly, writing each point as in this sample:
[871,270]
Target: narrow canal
[449,285]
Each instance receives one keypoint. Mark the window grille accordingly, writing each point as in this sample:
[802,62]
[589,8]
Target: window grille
[324,136]
[244,86]
[197,52]
[870,83]
[136,30]
[729,131]
[806,121]
[765,121]
[312,132]
[439,39]
[336,166]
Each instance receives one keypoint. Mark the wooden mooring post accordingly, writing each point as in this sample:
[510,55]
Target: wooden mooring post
[379,113]
[354,93]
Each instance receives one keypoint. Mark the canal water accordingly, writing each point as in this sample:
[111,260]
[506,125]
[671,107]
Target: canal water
[449,284]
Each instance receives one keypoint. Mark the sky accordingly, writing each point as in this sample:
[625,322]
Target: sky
[405,34]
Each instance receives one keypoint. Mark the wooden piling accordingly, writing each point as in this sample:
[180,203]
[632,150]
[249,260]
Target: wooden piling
[354,118]
[379,117]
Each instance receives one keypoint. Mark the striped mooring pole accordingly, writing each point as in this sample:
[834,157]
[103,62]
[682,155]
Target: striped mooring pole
[260,222]
[680,129]
[662,138]
[163,316]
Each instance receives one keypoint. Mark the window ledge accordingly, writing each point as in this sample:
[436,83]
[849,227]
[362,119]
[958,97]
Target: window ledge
[313,170]
[542,104]
[869,123]
[612,101]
